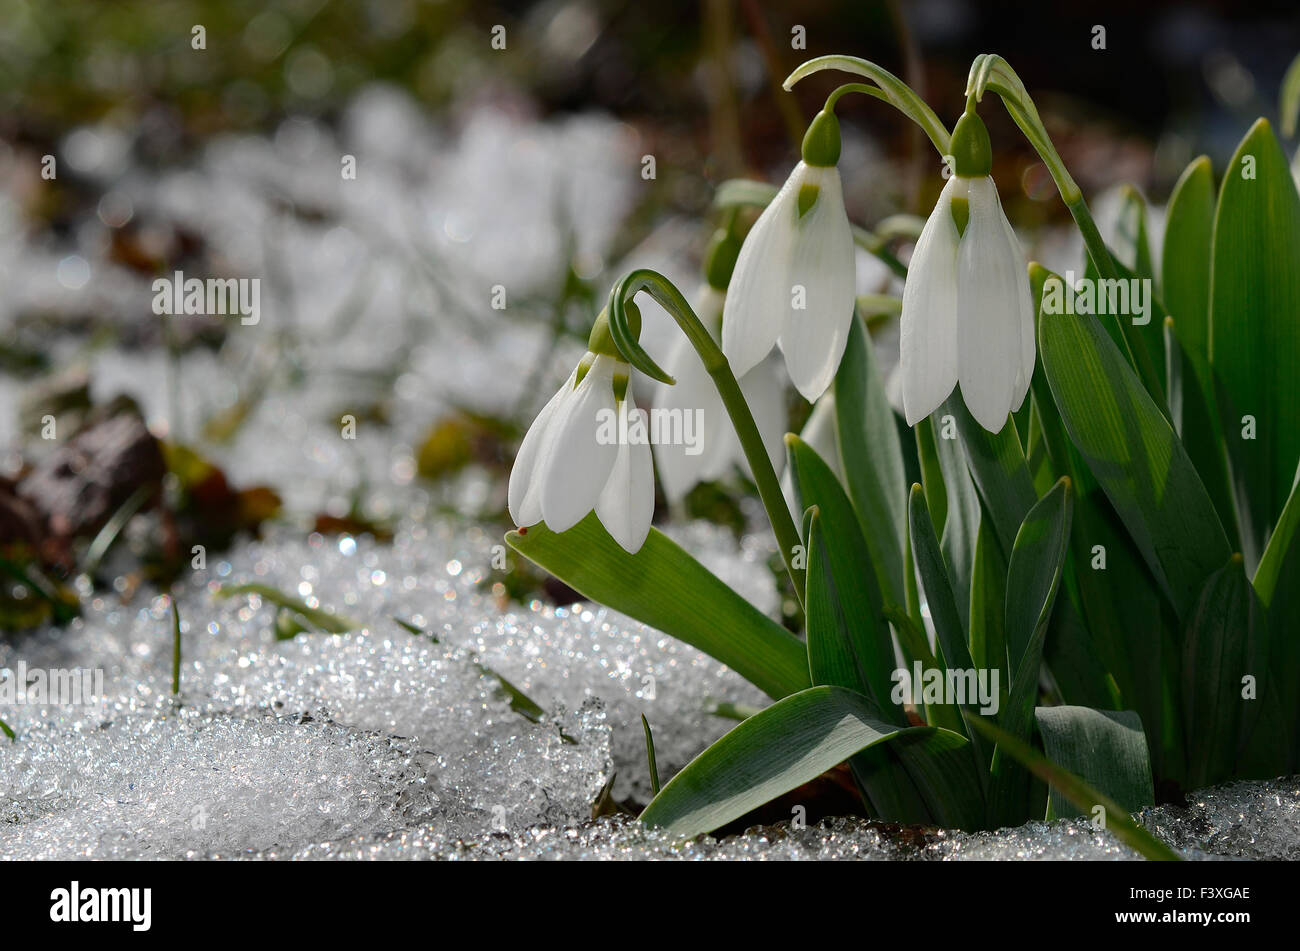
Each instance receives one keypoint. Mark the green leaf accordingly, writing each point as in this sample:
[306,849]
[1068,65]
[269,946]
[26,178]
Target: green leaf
[1281,546]
[1107,749]
[1255,329]
[664,587]
[849,644]
[998,467]
[1118,658]
[988,590]
[949,631]
[7,731]
[1081,794]
[1134,454]
[1035,570]
[791,743]
[1185,262]
[1277,584]
[872,459]
[1225,640]
[1037,560]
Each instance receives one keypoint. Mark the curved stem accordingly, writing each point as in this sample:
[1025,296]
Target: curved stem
[990,72]
[715,362]
[891,89]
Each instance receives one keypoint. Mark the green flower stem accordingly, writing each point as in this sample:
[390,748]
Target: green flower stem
[888,87]
[990,72]
[715,362]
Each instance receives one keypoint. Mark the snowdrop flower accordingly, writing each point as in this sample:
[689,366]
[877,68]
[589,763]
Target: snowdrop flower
[967,315]
[717,448]
[794,282]
[588,449]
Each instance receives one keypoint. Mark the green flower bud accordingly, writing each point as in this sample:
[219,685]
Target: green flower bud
[972,155]
[821,143]
[720,258]
[601,340]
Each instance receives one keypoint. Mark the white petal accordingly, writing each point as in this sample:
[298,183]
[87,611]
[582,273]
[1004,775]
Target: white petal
[990,280]
[765,394]
[928,326]
[758,296]
[691,398]
[575,464]
[1028,345]
[627,502]
[822,263]
[524,497]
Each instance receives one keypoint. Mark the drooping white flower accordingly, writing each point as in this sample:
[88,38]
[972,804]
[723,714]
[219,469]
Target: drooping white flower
[967,315]
[794,282]
[586,450]
[694,401]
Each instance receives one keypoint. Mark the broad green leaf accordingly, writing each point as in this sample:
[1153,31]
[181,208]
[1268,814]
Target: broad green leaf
[1185,263]
[849,644]
[793,742]
[1196,420]
[1035,570]
[1116,658]
[1081,794]
[998,467]
[1281,546]
[1037,560]
[1277,583]
[1134,454]
[988,590]
[1225,640]
[1131,233]
[964,523]
[664,587]
[949,632]
[872,459]
[1106,748]
[1255,329]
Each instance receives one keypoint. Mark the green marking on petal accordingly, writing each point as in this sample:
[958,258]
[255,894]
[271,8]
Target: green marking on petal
[961,213]
[808,195]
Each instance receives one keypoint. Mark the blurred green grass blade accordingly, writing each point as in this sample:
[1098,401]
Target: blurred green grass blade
[321,620]
[779,749]
[1288,105]
[1082,795]
[849,642]
[8,731]
[872,459]
[1226,639]
[1106,748]
[650,755]
[1134,454]
[176,648]
[664,587]
[1255,329]
[1033,577]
